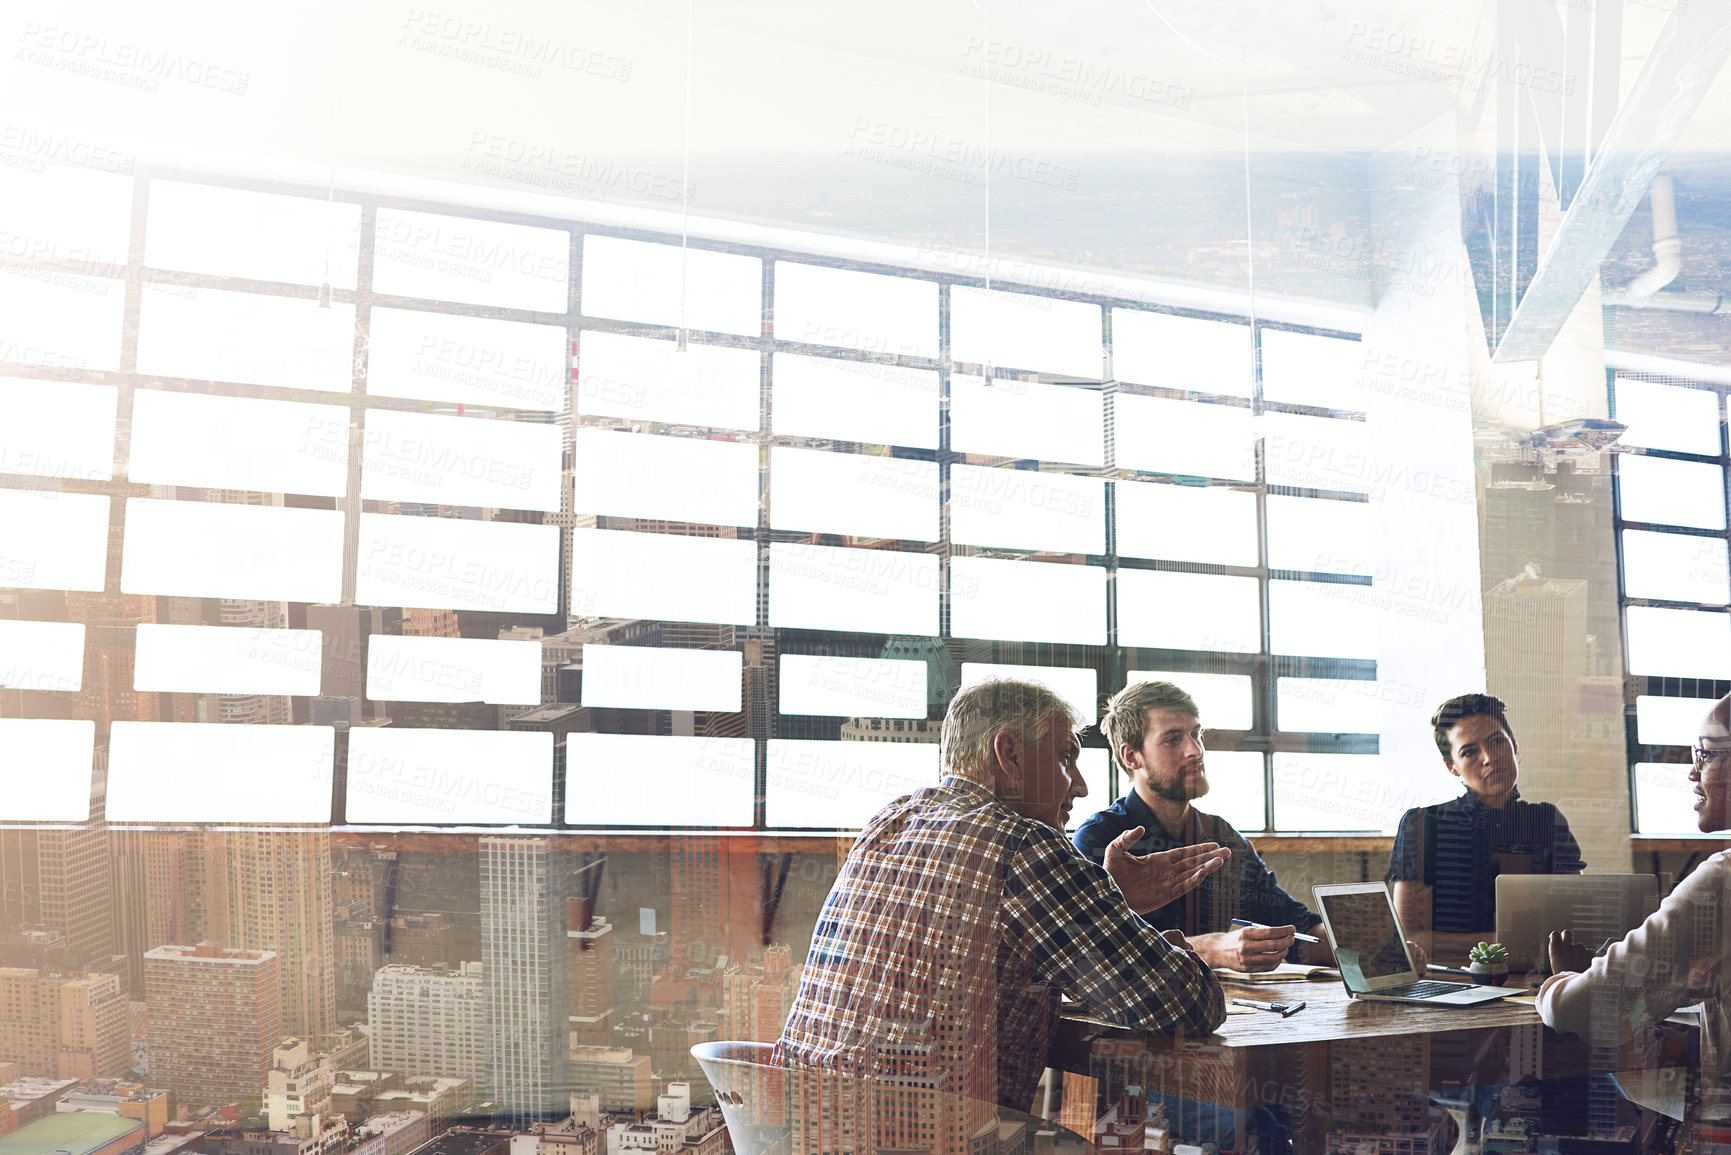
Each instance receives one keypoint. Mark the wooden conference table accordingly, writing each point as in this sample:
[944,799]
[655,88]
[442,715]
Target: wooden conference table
[1384,1057]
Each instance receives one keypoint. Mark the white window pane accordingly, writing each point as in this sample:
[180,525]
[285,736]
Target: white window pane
[1664,799]
[1319,535]
[1222,700]
[53,540]
[1328,706]
[852,687]
[1096,767]
[1021,331]
[1679,643]
[217,442]
[447,776]
[453,670]
[1181,352]
[82,215]
[651,678]
[41,655]
[1027,601]
[215,335]
[1665,492]
[57,429]
[1078,687]
[1330,453]
[474,261]
[1024,509]
[873,312]
[460,461]
[1236,789]
[1186,523]
[1330,792]
[666,478]
[227,660]
[852,493]
[204,549]
[1323,620]
[469,360]
[841,785]
[1304,369]
[1188,611]
[1010,418]
[61,320]
[45,768]
[1675,567]
[873,591]
[1184,437]
[648,575]
[451,563]
[668,285]
[855,401]
[647,380]
[230,232]
[185,772]
[1669,721]
[642,780]
[1668,417]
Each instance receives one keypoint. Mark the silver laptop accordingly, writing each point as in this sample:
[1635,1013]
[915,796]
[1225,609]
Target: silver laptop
[1370,950]
[1597,908]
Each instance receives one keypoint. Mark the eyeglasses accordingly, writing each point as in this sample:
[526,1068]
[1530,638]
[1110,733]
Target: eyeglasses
[1701,756]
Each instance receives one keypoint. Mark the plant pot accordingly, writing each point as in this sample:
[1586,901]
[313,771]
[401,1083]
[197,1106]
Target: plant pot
[1489,974]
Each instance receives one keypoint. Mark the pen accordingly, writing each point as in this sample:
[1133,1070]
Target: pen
[1264,926]
[1282,1009]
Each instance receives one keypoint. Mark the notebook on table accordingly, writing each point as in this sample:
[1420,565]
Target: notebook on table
[1286,972]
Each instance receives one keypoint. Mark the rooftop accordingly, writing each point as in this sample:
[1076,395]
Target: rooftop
[74,1133]
[463,1143]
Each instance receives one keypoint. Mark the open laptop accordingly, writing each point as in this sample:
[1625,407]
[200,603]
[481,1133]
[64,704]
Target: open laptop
[1595,907]
[1370,949]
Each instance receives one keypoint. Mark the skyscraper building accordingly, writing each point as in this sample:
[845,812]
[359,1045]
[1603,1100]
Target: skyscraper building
[522,954]
[215,1016]
[589,957]
[58,879]
[429,1021]
[257,889]
[717,886]
[63,1026]
[279,899]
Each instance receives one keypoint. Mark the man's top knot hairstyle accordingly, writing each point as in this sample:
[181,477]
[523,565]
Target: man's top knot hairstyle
[1467,706]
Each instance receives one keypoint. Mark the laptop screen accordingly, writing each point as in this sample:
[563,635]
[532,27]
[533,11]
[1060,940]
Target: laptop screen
[1364,922]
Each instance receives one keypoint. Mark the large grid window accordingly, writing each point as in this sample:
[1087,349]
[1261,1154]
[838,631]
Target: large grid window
[677,533]
[1673,486]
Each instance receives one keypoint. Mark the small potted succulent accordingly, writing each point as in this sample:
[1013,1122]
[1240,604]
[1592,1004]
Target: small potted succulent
[1489,963]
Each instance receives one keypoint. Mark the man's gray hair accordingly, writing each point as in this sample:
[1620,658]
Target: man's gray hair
[976,715]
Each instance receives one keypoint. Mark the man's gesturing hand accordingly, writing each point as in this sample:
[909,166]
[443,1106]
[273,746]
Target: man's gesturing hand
[1150,881]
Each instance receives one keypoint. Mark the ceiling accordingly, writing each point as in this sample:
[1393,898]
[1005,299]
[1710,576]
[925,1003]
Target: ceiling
[1140,137]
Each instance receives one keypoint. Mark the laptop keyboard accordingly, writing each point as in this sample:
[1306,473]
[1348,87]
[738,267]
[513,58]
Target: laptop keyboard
[1425,989]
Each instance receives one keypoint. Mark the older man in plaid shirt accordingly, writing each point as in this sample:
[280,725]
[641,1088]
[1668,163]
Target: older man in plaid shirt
[962,912]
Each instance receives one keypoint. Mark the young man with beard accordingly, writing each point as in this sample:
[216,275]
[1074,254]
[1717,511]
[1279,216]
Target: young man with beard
[1156,732]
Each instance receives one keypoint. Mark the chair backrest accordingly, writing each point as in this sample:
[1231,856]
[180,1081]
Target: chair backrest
[775,1110]
[745,1091]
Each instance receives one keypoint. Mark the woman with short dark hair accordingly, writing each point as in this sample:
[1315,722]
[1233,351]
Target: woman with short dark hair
[1447,856]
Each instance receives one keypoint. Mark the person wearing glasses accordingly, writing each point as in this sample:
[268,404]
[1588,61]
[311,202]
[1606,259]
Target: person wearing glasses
[1447,857]
[1680,954]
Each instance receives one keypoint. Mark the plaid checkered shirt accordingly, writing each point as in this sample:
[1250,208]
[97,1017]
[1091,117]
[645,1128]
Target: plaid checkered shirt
[952,928]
